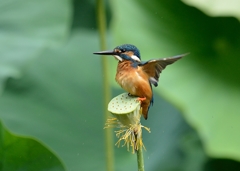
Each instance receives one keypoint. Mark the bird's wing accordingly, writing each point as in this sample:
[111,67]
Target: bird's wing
[154,67]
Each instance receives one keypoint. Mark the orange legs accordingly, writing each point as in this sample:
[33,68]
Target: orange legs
[141,99]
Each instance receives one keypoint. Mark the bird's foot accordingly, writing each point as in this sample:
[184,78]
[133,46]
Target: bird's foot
[141,99]
[130,95]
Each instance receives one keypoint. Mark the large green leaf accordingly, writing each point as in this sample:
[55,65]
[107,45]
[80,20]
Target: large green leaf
[205,84]
[22,153]
[27,29]
[217,7]
[52,102]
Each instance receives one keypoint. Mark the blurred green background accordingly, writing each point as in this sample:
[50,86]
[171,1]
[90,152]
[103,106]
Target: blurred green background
[51,93]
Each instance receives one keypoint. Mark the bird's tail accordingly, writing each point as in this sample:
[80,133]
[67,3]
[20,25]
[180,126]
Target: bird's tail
[145,107]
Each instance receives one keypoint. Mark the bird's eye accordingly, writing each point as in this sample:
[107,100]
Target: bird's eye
[123,50]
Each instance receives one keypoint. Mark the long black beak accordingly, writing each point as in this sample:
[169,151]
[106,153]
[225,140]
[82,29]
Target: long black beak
[105,53]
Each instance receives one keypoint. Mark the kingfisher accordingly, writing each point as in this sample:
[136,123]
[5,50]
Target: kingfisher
[136,76]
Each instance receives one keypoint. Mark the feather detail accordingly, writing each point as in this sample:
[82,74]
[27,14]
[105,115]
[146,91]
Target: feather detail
[154,67]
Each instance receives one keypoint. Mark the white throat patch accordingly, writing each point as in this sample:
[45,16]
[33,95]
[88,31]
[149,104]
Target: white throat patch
[117,57]
[134,57]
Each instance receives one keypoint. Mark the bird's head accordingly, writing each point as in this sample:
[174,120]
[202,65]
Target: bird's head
[123,52]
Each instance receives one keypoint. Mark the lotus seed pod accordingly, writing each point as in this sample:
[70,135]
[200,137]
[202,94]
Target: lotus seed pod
[126,109]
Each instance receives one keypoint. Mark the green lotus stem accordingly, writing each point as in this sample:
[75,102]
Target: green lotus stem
[140,159]
[101,18]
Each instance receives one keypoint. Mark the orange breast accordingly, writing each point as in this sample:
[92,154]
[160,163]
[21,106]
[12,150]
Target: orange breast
[133,80]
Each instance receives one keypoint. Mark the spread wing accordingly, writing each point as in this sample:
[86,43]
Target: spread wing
[154,67]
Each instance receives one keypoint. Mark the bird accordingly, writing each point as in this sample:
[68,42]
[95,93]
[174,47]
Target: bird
[136,76]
